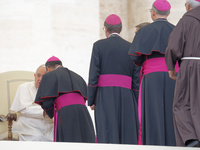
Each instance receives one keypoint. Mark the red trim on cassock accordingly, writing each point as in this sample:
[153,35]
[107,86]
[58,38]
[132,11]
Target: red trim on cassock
[133,54]
[92,85]
[139,53]
[46,98]
[48,109]
[137,64]
[135,90]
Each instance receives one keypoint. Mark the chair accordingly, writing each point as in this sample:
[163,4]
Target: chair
[9,82]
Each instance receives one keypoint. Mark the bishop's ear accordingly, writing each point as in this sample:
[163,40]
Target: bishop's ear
[48,69]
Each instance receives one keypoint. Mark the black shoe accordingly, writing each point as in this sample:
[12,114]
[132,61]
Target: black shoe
[193,143]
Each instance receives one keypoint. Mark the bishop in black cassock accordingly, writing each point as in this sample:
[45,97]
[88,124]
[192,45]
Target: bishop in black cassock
[113,87]
[156,88]
[62,94]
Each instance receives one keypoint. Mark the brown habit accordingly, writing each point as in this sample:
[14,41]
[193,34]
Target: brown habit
[184,41]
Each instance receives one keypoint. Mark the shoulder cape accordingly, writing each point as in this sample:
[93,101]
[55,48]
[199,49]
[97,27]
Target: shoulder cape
[151,38]
[60,81]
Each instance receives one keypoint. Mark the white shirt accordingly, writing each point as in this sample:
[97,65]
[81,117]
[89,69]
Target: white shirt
[31,125]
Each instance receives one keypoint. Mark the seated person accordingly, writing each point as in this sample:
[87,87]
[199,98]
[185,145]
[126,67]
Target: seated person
[31,125]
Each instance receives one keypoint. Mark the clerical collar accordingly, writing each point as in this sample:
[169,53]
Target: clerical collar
[113,34]
[59,66]
[161,19]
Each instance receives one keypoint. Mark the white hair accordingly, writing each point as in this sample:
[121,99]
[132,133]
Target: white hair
[43,65]
[193,3]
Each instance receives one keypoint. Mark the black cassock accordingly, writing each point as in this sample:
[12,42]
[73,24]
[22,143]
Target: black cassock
[73,122]
[157,89]
[113,88]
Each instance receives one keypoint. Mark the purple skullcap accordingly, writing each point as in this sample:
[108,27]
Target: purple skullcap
[113,19]
[53,58]
[162,5]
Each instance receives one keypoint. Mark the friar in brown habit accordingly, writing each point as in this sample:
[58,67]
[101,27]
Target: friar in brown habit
[184,46]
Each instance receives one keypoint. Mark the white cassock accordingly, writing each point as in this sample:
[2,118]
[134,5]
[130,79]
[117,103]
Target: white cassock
[31,125]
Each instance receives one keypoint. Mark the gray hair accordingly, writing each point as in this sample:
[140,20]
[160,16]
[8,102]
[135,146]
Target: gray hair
[193,3]
[163,13]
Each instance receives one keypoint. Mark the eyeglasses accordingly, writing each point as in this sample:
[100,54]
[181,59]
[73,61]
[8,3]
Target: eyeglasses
[185,4]
[104,29]
[150,9]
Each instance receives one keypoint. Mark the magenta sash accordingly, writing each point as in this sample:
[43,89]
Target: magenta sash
[65,100]
[150,66]
[115,80]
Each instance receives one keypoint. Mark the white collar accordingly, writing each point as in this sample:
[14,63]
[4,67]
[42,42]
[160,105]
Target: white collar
[113,34]
[59,66]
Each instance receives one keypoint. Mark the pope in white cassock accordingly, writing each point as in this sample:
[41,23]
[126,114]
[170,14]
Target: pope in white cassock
[31,125]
